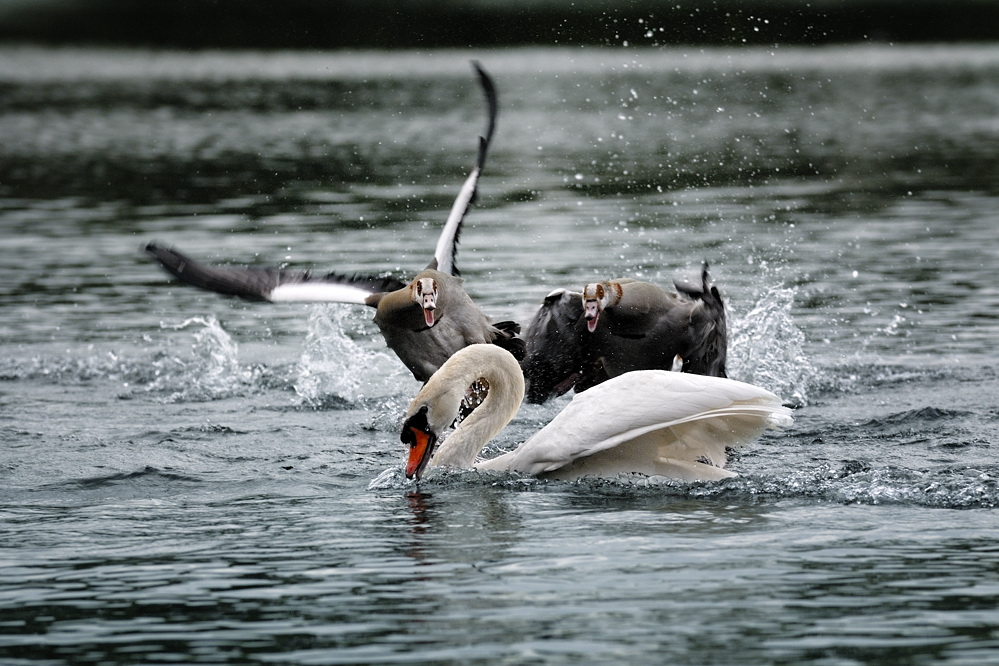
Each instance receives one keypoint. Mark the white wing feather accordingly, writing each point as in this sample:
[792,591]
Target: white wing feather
[318,292]
[648,417]
[447,244]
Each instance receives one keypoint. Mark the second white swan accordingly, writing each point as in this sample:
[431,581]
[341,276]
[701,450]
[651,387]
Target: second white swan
[651,422]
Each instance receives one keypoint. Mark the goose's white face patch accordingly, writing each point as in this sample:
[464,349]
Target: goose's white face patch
[597,297]
[424,293]
[594,300]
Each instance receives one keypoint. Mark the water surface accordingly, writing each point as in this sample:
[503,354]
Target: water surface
[194,479]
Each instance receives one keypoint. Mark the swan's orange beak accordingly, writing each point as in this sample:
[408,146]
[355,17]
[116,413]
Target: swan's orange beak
[419,453]
[422,440]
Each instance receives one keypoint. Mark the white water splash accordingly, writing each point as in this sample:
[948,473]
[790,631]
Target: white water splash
[211,372]
[334,366]
[766,348]
[391,478]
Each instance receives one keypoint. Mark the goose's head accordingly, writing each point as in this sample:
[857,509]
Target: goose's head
[423,292]
[596,298]
[552,341]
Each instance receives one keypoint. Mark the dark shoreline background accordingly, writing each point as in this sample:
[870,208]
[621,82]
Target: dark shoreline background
[394,24]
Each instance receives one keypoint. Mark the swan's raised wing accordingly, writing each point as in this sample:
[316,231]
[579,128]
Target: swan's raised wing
[639,421]
[275,285]
[447,244]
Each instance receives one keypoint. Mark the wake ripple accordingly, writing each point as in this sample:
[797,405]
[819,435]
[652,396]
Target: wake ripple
[209,371]
[858,483]
[852,483]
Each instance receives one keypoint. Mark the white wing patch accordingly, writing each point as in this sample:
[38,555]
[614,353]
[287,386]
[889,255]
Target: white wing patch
[318,292]
[445,250]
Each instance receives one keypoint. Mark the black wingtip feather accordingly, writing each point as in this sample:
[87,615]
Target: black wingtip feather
[492,102]
[492,106]
[252,284]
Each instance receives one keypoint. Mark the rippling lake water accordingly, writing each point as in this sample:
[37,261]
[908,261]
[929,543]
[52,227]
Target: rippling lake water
[185,478]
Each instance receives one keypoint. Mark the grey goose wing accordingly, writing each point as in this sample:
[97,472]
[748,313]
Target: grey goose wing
[275,285]
[447,245]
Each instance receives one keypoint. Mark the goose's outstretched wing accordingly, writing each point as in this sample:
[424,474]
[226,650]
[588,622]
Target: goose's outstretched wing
[274,285]
[447,244]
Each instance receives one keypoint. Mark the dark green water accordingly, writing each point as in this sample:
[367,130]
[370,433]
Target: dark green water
[185,478]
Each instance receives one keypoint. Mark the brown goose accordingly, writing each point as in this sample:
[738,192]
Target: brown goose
[423,321]
[577,340]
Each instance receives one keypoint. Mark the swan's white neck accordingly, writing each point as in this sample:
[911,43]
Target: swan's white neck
[442,396]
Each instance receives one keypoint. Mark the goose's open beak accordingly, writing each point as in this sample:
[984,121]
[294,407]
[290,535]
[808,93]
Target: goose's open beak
[591,311]
[429,305]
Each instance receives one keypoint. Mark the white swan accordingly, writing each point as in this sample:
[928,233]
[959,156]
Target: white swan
[652,422]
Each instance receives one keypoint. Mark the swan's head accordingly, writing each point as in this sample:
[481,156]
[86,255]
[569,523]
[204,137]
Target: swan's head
[417,433]
[433,411]
[423,292]
[484,368]
[596,298]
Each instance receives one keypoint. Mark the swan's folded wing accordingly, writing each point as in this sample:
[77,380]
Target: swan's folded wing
[693,417]
[275,285]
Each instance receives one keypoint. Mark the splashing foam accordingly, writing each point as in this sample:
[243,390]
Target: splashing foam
[212,372]
[333,367]
[766,348]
